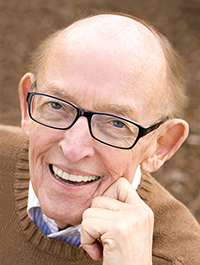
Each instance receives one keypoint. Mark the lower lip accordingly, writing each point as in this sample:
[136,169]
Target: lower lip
[70,185]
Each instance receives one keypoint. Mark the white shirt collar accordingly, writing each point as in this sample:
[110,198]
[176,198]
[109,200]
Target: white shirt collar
[137,178]
[34,202]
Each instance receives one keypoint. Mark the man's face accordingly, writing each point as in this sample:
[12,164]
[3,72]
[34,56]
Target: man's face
[94,80]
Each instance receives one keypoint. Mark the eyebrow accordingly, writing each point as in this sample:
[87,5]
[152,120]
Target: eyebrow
[117,109]
[57,92]
[121,110]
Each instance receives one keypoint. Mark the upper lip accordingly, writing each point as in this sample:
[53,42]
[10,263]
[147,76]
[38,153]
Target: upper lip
[73,171]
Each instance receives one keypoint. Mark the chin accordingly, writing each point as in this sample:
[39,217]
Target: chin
[65,218]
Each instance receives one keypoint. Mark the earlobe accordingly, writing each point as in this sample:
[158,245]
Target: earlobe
[24,87]
[168,142]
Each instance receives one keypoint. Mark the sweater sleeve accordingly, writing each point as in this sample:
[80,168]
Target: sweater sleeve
[176,238]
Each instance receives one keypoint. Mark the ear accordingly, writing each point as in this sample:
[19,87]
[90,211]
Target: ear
[169,140]
[24,87]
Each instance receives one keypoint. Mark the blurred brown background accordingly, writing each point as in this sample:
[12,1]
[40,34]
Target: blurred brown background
[25,23]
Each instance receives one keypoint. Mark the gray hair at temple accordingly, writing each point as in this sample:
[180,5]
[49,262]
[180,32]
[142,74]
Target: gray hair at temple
[175,99]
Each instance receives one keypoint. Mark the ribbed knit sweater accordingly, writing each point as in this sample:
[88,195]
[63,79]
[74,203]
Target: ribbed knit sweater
[176,233]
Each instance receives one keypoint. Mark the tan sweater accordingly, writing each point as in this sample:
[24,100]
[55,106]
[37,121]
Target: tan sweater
[176,233]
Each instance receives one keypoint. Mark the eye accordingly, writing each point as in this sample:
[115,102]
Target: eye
[55,105]
[118,124]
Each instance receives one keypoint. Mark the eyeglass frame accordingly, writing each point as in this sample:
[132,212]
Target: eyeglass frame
[88,114]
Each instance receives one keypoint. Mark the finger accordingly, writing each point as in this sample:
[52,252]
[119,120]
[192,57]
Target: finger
[108,203]
[90,232]
[123,191]
[103,214]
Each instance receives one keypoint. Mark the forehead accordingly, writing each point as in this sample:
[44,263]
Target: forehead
[117,63]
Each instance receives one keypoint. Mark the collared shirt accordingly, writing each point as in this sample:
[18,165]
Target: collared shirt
[33,202]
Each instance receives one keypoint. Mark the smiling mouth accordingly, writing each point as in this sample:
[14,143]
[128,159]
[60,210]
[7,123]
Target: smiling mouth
[71,179]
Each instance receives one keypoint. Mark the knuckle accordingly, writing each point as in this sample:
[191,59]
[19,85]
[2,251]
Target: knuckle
[145,213]
[85,224]
[151,214]
[95,201]
[140,215]
[86,214]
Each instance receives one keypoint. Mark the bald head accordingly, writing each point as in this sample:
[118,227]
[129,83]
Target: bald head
[120,36]
[117,29]
[115,38]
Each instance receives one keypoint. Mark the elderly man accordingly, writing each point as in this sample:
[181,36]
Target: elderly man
[98,110]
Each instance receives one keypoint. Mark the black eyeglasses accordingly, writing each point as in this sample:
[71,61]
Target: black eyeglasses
[106,128]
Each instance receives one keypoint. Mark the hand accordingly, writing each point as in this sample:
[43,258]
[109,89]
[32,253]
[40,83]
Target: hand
[118,227]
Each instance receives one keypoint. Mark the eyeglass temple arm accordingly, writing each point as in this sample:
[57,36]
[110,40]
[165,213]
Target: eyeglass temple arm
[152,127]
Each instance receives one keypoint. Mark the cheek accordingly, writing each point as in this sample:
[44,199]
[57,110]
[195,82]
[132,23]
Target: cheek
[40,145]
[35,165]
[121,163]
[41,139]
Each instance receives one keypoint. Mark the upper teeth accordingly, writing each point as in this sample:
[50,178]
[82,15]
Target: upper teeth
[76,178]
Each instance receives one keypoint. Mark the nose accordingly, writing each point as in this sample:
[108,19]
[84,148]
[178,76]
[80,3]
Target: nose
[77,142]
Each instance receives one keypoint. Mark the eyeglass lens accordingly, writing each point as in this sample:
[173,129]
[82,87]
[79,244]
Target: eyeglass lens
[104,127]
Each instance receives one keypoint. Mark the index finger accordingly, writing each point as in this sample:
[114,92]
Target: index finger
[123,191]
